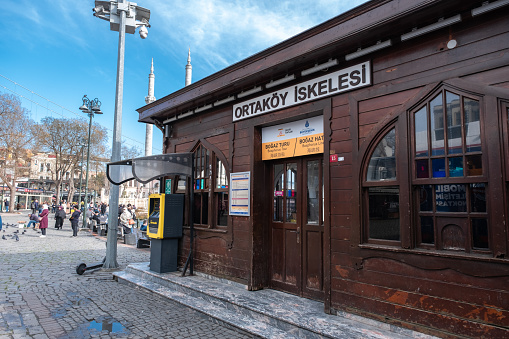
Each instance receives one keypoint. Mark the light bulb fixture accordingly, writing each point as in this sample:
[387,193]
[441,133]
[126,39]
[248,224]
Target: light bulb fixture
[360,52]
[430,28]
[249,92]
[316,68]
[489,6]
[280,81]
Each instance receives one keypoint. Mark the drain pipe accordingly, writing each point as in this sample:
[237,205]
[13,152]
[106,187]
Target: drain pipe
[189,261]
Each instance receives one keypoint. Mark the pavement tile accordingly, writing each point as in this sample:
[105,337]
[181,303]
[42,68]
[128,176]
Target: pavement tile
[43,297]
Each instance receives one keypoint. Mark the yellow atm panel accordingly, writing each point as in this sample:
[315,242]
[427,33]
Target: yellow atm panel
[165,216]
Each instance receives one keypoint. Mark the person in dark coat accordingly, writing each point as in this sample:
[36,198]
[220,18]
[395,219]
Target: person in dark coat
[75,218]
[43,220]
[59,218]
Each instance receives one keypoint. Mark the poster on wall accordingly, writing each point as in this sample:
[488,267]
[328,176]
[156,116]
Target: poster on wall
[293,139]
[240,191]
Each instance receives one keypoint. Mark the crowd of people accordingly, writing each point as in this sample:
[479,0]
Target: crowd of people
[41,212]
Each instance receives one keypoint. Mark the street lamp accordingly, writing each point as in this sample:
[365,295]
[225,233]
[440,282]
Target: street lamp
[89,107]
[82,144]
[124,17]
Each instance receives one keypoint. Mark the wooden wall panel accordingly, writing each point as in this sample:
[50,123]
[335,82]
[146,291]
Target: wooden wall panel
[340,232]
[184,147]
[427,322]
[374,110]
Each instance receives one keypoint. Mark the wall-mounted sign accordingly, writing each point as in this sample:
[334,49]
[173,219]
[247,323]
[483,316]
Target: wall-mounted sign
[167,187]
[293,139]
[240,191]
[333,83]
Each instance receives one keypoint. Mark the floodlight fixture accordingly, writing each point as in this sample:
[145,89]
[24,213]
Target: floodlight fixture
[316,68]
[363,51]
[203,108]
[224,101]
[274,83]
[249,92]
[430,28]
[489,6]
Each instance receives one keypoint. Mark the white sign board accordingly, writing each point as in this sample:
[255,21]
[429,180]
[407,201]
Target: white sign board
[240,192]
[343,80]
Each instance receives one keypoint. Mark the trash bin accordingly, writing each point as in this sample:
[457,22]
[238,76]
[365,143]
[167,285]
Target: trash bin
[130,239]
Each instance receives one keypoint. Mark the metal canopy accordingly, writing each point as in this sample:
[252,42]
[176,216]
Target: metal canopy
[146,169]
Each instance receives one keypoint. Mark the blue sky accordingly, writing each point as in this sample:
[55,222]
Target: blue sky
[55,51]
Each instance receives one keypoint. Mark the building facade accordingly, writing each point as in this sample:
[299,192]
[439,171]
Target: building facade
[375,150]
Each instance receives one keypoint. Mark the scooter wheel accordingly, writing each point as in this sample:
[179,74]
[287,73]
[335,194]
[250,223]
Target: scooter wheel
[80,269]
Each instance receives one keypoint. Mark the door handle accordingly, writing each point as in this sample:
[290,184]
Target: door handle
[298,235]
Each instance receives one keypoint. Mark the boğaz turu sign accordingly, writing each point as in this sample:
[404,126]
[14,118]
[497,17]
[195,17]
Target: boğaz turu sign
[340,81]
[293,139]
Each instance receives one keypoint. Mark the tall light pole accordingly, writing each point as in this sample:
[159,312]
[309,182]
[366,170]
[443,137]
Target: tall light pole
[89,107]
[82,145]
[124,17]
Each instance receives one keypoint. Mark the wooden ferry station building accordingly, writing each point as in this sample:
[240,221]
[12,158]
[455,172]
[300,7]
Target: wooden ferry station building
[363,163]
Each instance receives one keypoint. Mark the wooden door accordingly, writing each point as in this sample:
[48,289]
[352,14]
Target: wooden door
[297,226]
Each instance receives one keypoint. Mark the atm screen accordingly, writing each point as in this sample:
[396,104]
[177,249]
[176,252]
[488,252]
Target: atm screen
[155,208]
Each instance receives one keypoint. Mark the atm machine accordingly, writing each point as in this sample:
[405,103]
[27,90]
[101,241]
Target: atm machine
[165,221]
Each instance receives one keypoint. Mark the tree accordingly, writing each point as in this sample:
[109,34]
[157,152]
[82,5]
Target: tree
[129,153]
[16,132]
[63,137]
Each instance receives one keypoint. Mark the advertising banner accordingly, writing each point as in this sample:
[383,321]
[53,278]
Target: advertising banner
[293,139]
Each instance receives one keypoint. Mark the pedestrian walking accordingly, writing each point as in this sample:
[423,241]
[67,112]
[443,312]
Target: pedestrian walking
[6,204]
[75,218]
[59,218]
[43,220]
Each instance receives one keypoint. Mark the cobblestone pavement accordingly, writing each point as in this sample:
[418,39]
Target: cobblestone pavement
[41,296]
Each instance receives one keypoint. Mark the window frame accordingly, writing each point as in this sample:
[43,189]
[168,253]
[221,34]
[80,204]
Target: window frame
[365,185]
[415,182]
[211,190]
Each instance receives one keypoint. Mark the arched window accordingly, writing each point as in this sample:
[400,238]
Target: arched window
[449,176]
[381,192]
[210,189]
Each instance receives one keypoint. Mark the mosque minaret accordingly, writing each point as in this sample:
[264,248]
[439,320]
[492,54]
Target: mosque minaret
[151,98]
[148,99]
[189,68]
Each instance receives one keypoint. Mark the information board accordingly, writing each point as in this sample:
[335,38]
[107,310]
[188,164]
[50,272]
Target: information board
[240,192]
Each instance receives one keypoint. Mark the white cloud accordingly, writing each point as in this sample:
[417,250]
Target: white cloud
[228,31]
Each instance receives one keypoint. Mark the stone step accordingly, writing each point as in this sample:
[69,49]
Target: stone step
[266,313]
